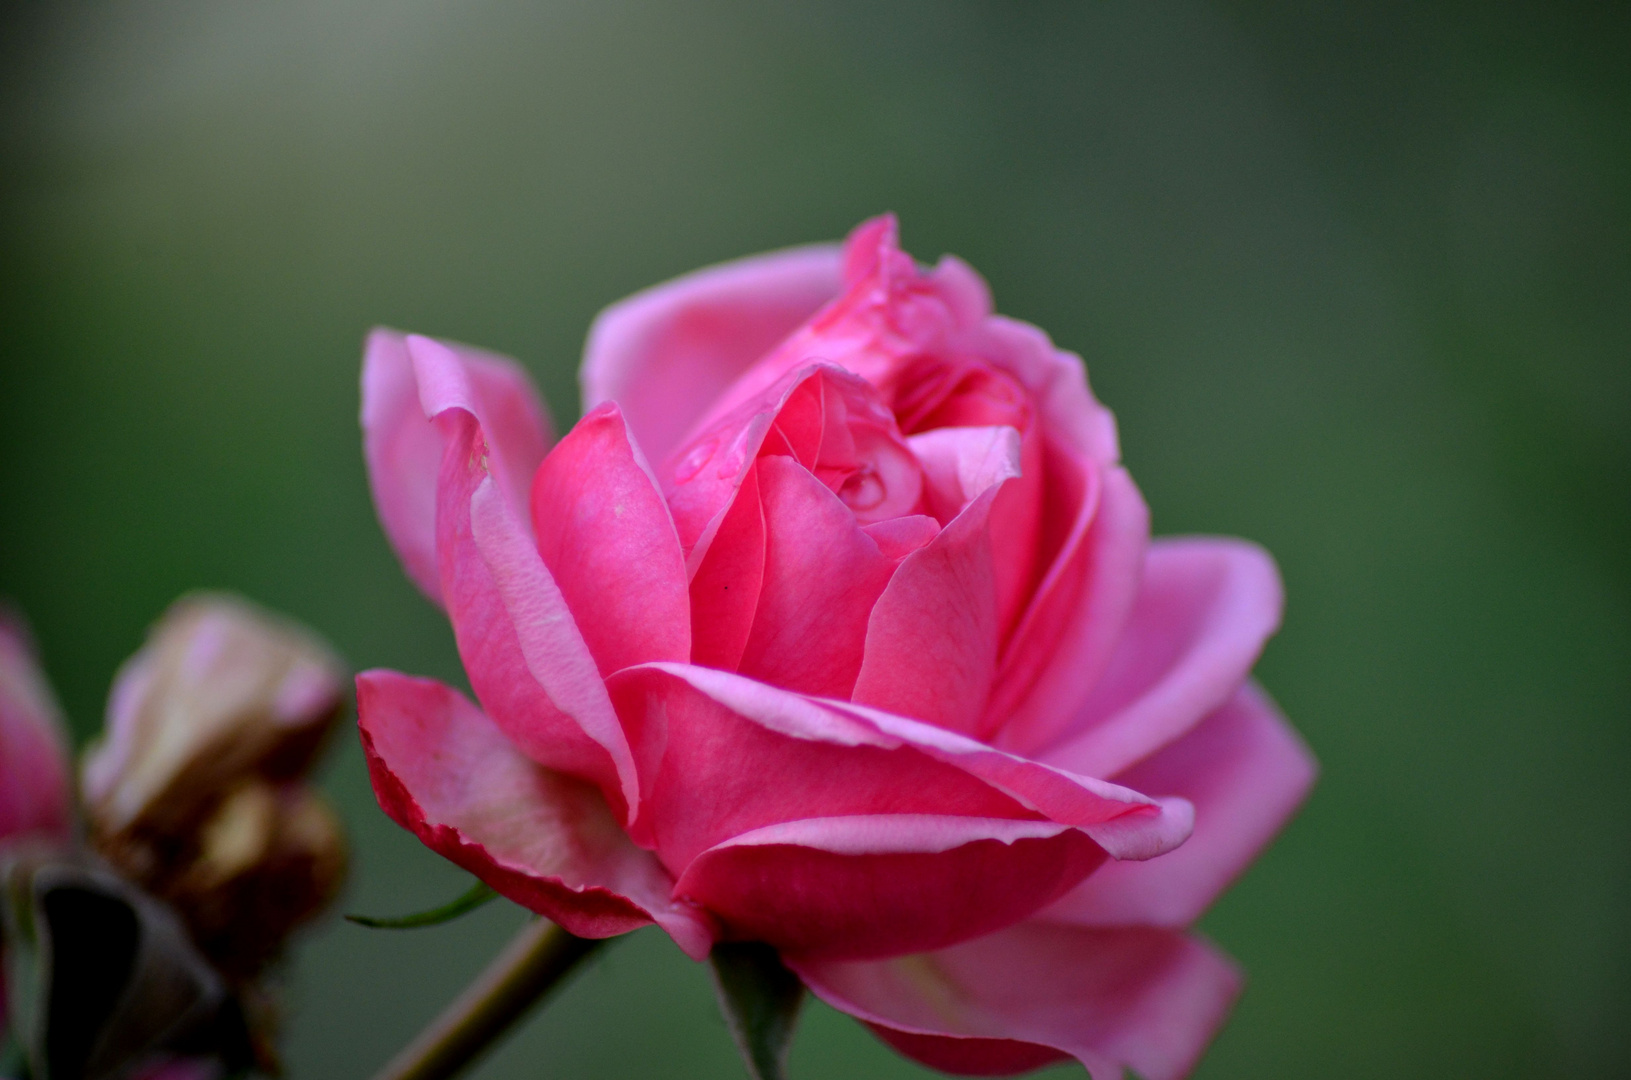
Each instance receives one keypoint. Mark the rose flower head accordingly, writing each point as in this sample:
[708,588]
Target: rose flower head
[203,845]
[835,625]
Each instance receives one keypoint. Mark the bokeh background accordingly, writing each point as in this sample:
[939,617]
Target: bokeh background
[1356,279]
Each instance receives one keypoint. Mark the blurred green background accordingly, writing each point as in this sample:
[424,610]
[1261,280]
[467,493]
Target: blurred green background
[1356,279]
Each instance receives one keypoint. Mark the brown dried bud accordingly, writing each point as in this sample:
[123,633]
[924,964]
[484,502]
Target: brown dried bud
[270,858]
[196,790]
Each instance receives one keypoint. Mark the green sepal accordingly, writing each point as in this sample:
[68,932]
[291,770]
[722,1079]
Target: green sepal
[470,901]
[760,998]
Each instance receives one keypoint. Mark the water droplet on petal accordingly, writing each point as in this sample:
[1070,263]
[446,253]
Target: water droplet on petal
[695,459]
[863,490]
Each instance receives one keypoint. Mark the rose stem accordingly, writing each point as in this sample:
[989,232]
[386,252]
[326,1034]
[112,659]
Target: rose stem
[536,960]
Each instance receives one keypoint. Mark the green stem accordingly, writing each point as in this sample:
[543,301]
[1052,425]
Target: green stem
[537,960]
[478,895]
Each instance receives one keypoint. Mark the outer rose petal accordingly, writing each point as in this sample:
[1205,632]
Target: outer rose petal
[1246,771]
[443,770]
[1076,618]
[606,535]
[667,353]
[871,886]
[1145,998]
[403,449]
[521,647]
[34,789]
[715,769]
[1204,610]
[922,835]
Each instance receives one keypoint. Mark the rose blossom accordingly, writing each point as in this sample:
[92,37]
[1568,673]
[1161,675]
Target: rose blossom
[835,624]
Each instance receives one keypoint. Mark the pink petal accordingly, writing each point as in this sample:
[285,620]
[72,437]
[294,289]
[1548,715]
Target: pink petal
[1079,610]
[724,755]
[667,353]
[887,313]
[443,770]
[725,589]
[1071,417]
[935,396]
[35,796]
[931,643]
[1126,824]
[870,886]
[1246,771]
[1204,610]
[403,449]
[1142,998]
[828,420]
[527,661]
[899,537]
[822,575]
[605,534]
[724,758]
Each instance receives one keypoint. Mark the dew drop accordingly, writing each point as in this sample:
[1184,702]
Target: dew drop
[863,490]
[694,460]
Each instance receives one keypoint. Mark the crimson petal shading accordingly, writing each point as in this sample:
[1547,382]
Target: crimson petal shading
[403,449]
[442,769]
[1246,771]
[665,354]
[1205,608]
[1011,1001]
[607,538]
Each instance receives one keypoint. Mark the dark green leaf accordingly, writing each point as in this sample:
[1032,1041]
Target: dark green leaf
[470,901]
[760,998]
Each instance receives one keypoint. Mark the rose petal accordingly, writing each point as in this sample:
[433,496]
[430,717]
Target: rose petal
[722,755]
[1077,614]
[1057,381]
[549,842]
[887,313]
[34,789]
[665,354]
[725,589]
[931,640]
[1204,610]
[606,536]
[1246,771]
[828,420]
[403,449]
[869,886]
[822,575]
[807,763]
[1143,998]
[938,395]
[527,661]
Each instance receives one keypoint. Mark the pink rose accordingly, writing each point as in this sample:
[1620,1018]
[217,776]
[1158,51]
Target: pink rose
[835,624]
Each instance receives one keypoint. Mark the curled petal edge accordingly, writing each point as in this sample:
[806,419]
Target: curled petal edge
[546,841]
